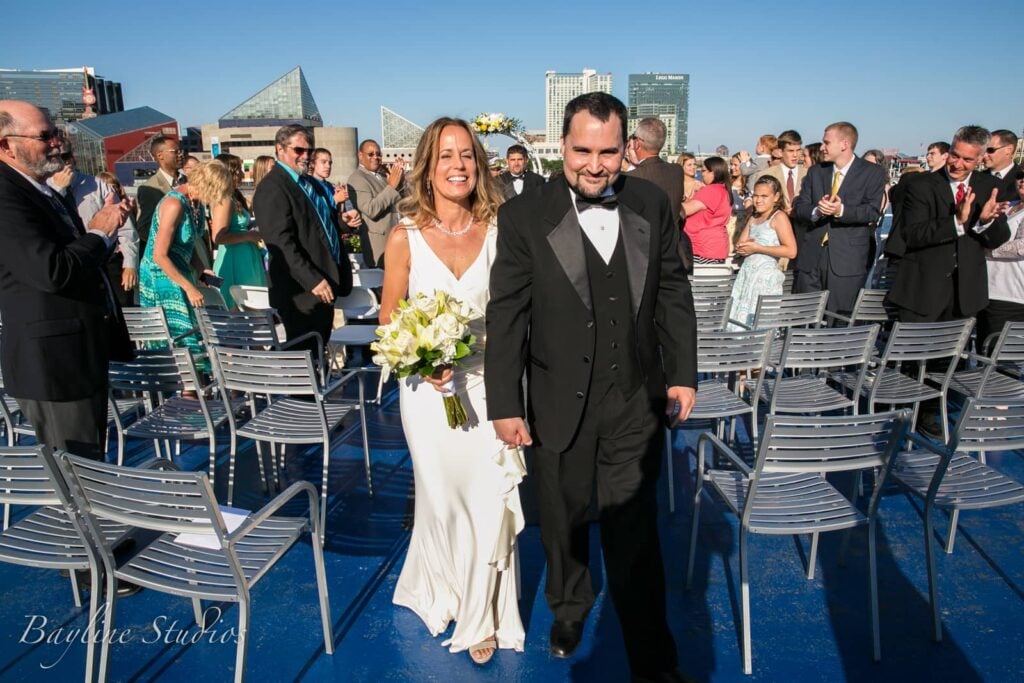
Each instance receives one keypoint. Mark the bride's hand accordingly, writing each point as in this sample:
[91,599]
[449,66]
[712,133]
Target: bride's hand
[440,378]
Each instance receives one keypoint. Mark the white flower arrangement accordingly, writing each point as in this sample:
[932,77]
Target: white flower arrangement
[427,333]
[495,123]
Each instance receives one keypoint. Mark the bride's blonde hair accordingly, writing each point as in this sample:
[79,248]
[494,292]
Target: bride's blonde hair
[419,205]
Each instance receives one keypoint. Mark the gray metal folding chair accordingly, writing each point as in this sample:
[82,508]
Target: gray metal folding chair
[784,311]
[712,311]
[997,375]
[870,307]
[786,492]
[147,326]
[52,536]
[913,344]
[714,284]
[165,373]
[224,569]
[251,329]
[282,375]
[814,365]
[946,476]
[721,358]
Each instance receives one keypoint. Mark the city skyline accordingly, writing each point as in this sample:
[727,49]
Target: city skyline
[877,64]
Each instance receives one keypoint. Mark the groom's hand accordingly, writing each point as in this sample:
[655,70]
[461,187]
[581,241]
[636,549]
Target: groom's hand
[685,397]
[512,431]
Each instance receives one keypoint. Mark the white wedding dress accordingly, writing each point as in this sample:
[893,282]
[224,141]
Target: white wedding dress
[461,560]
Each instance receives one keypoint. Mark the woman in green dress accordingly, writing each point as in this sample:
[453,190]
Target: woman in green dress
[239,260]
[165,274]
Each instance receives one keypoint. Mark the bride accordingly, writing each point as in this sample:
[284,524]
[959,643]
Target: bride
[461,560]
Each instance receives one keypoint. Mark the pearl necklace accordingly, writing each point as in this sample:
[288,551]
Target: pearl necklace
[453,233]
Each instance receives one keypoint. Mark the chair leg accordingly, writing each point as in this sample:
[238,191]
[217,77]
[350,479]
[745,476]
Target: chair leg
[120,447]
[7,515]
[321,587]
[197,611]
[876,642]
[366,433]
[694,526]
[108,622]
[944,412]
[213,462]
[232,456]
[745,602]
[75,592]
[669,472]
[954,517]
[933,588]
[94,615]
[323,494]
[243,639]
[812,559]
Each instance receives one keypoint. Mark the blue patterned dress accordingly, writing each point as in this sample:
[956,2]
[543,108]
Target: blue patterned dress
[240,263]
[155,288]
[759,274]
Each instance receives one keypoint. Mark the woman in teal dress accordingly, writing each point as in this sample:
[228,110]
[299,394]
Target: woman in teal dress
[165,273]
[239,260]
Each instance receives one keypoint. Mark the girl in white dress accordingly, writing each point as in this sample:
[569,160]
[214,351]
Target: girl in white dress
[461,560]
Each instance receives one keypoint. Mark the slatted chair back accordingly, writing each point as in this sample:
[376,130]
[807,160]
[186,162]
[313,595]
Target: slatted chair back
[368,277]
[990,426]
[272,373]
[1009,345]
[712,311]
[928,341]
[27,478]
[249,329]
[712,285]
[147,326]
[828,347]
[729,352]
[359,304]
[160,371]
[871,307]
[250,297]
[790,310]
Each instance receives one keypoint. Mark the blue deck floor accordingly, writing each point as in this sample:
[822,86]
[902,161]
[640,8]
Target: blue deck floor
[803,630]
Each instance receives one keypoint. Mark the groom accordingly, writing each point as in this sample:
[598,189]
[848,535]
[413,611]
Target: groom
[590,299]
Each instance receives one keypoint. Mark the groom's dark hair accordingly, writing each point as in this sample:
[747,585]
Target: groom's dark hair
[600,105]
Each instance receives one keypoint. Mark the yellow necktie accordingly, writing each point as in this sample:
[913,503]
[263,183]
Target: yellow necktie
[835,191]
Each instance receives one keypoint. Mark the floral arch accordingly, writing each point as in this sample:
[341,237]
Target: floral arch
[499,124]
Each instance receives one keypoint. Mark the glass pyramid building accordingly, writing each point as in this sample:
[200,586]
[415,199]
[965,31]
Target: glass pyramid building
[398,131]
[288,100]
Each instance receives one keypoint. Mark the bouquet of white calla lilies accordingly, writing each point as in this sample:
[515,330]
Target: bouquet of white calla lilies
[426,333]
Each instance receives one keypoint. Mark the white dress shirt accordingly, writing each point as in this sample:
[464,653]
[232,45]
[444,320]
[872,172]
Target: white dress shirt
[600,224]
[517,183]
[953,185]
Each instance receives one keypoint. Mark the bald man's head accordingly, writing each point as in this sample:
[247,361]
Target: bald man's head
[29,141]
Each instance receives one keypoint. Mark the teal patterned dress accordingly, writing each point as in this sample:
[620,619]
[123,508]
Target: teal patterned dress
[155,288]
[241,263]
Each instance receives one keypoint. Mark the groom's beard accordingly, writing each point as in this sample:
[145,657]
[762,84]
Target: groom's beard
[592,191]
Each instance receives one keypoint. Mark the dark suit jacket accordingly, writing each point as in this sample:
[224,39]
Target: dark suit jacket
[932,254]
[531,181]
[897,196]
[149,195]
[540,317]
[299,254]
[1008,185]
[851,237]
[669,177]
[58,332]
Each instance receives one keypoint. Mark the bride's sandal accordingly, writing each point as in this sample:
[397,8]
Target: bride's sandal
[481,653]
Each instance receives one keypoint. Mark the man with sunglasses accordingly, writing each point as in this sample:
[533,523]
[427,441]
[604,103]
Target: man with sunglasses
[375,192]
[308,263]
[61,324]
[166,151]
[999,163]
[89,194]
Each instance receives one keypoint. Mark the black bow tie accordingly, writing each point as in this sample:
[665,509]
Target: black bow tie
[610,201]
[517,177]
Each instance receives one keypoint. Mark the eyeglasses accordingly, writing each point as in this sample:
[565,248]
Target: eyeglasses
[993,150]
[67,156]
[45,136]
[175,152]
[302,150]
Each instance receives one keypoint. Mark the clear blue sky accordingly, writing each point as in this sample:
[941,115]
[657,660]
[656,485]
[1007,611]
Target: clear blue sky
[906,72]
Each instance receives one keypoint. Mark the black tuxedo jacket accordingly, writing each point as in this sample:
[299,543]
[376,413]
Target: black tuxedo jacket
[299,254]
[540,317]
[1008,184]
[851,237]
[531,181]
[59,332]
[932,253]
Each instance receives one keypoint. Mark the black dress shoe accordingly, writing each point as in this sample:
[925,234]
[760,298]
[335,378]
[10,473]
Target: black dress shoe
[565,637]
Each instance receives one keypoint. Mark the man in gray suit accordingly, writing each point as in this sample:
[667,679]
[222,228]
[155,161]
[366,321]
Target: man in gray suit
[375,196]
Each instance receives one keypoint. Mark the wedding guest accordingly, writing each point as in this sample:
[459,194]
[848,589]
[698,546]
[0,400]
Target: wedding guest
[335,196]
[190,164]
[260,167]
[767,238]
[461,560]
[813,155]
[166,151]
[606,372]
[690,182]
[375,193]
[518,178]
[1005,275]
[740,200]
[166,277]
[762,159]
[239,260]
[935,158]
[708,212]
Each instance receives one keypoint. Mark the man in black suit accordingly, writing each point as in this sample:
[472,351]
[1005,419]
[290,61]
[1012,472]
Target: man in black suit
[518,179]
[643,149]
[999,163]
[949,219]
[840,203]
[308,263]
[61,323]
[590,300]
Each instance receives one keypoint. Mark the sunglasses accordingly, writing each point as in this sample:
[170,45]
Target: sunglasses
[303,150]
[67,156]
[45,136]
[993,150]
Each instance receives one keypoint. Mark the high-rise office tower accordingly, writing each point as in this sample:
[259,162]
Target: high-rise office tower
[560,88]
[666,96]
